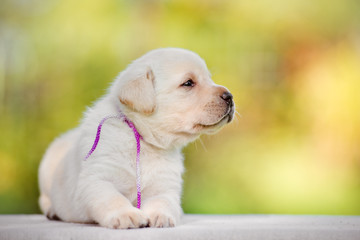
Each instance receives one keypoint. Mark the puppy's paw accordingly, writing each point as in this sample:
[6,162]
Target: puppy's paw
[160,219]
[125,218]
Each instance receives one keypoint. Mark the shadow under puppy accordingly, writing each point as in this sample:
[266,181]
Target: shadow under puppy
[169,97]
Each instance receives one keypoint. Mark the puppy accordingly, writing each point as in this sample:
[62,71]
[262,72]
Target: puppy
[170,98]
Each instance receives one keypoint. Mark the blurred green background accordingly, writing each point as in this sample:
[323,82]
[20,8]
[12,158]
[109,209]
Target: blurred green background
[292,66]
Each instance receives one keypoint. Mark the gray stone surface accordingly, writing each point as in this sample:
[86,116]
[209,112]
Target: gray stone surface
[16,227]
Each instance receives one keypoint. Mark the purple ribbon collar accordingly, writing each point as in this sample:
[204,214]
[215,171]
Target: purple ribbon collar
[138,137]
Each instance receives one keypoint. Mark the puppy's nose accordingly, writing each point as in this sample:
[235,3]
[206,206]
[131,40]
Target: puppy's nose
[227,96]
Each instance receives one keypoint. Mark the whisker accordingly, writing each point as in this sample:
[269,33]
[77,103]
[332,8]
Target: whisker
[195,143]
[203,145]
[238,114]
[236,117]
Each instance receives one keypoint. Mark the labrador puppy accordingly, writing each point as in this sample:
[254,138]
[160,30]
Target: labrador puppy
[170,99]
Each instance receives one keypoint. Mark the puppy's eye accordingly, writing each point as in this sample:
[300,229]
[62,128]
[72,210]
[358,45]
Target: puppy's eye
[188,83]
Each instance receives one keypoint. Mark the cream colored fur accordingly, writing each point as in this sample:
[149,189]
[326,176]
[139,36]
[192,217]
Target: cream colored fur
[102,189]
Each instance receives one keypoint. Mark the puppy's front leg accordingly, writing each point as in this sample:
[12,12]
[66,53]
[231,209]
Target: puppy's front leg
[163,210]
[109,208]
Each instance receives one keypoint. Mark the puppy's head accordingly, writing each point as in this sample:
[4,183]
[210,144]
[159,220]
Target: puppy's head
[172,91]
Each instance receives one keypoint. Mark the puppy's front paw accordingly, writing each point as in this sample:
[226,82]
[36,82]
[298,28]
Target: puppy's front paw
[125,218]
[161,219]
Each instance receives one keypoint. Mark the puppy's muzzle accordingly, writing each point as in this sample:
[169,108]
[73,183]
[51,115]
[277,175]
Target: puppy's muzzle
[228,98]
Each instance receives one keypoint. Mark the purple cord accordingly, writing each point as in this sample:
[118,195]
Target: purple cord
[138,137]
[97,138]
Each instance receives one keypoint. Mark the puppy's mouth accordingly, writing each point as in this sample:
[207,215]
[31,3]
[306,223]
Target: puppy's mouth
[226,118]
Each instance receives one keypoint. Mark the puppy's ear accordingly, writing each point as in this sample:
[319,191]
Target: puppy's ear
[137,90]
